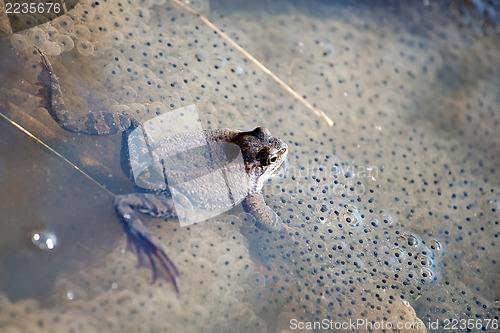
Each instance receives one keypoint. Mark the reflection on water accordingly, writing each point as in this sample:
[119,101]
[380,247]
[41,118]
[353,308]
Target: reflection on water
[413,93]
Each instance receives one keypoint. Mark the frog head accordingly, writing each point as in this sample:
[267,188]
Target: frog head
[263,155]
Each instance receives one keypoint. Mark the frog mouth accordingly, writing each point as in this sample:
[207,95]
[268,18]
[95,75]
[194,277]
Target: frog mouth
[278,169]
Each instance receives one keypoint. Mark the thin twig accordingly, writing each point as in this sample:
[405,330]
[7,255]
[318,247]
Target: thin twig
[256,62]
[56,153]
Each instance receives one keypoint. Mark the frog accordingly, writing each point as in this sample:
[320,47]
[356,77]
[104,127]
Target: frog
[261,157]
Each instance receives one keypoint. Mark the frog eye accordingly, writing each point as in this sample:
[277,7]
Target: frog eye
[268,159]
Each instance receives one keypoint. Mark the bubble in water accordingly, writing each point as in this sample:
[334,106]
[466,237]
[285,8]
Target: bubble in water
[435,245]
[427,273]
[70,295]
[351,216]
[410,240]
[424,261]
[44,239]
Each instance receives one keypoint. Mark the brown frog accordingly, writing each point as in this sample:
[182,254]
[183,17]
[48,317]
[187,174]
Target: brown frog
[243,160]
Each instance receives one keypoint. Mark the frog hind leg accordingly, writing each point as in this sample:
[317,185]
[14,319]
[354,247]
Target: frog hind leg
[94,123]
[140,241]
[265,218]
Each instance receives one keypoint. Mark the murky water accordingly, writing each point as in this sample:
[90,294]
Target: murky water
[395,206]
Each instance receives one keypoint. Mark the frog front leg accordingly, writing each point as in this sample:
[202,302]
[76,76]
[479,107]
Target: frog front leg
[94,123]
[265,218]
[139,240]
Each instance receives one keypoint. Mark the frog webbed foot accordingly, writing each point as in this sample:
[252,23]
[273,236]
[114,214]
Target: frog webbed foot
[140,241]
[151,254]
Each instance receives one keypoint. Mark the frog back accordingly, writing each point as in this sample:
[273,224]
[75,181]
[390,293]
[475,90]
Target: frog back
[204,170]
